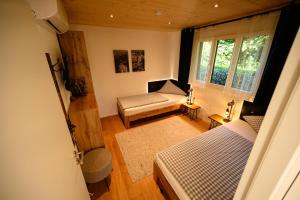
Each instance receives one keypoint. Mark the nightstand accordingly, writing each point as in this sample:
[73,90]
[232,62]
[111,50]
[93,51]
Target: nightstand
[191,110]
[216,120]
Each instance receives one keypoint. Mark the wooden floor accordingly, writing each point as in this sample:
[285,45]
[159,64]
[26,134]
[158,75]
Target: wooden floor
[121,186]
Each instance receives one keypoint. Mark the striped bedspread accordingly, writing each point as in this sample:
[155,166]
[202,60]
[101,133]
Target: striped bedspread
[209,166]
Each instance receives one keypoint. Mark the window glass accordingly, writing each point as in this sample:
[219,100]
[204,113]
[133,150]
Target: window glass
[203,59]
[248,62]
[222,61]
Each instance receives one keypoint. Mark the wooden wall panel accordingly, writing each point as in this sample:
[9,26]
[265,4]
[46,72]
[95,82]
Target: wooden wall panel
[84,114]
[83,111]
[73,47]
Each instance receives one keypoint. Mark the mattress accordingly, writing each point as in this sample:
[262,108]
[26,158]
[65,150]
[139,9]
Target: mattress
[141,100]
[172,99]
[209,180]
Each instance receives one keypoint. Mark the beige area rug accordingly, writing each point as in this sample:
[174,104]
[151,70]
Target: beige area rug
[139,145]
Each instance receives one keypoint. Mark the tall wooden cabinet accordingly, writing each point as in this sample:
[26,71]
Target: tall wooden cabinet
[83,111]
[84,114]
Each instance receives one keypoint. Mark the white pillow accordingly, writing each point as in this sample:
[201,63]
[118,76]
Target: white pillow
[170,88]
[254,121]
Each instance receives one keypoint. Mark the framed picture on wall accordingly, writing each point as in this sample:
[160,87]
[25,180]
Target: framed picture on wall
[138,60]
[121,61]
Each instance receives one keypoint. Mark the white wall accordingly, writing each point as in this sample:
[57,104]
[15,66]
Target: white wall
[36,150]
[213,100]
[161,61]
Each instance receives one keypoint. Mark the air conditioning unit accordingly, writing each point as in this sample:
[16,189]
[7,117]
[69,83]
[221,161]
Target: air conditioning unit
[52,12]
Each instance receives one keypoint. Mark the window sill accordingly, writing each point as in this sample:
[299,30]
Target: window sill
[232,92]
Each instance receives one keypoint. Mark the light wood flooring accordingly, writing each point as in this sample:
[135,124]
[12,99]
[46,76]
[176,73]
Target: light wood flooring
[121,186]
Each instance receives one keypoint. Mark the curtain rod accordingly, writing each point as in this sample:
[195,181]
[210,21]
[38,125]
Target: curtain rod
[239,18]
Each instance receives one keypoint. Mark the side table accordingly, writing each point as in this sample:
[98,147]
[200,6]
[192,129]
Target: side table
[216,120]
[191,110]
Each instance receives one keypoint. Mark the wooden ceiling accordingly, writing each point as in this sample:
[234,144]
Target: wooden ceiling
[156,14]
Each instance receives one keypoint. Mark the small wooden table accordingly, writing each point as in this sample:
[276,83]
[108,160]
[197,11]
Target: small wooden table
[216,120]
[192,110]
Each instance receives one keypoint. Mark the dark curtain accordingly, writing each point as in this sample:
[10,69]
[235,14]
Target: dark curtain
[285,33]
[186,46]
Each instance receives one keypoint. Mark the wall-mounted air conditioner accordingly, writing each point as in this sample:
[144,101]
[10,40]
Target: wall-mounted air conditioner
[52,12]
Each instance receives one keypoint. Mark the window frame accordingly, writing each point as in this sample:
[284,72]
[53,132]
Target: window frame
[214,58]
[233,64]
[210,59]
[262,62]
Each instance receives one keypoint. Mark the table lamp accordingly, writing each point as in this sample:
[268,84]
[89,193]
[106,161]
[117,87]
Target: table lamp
[228,111]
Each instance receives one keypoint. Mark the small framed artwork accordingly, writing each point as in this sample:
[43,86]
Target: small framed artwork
[121,61]
[138,60]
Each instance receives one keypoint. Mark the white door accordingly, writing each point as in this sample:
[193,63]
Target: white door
[294,191]
[36,151]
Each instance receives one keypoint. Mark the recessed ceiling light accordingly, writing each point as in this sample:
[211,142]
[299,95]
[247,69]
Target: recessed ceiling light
[169,22]
[111,16]
[157,12]
[216,5]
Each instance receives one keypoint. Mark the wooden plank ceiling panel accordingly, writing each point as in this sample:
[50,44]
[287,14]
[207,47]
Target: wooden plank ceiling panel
[156,14]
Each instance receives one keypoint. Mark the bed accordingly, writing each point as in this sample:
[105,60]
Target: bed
[208,166]
[132,108]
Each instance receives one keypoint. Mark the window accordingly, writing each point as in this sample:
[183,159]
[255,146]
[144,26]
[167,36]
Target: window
[222,61]
[204,58]
[249,62]
[237,62]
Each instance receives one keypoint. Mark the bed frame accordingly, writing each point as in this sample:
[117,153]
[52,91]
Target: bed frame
[127,119]
[166,189]
[163,184]
[153,86]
